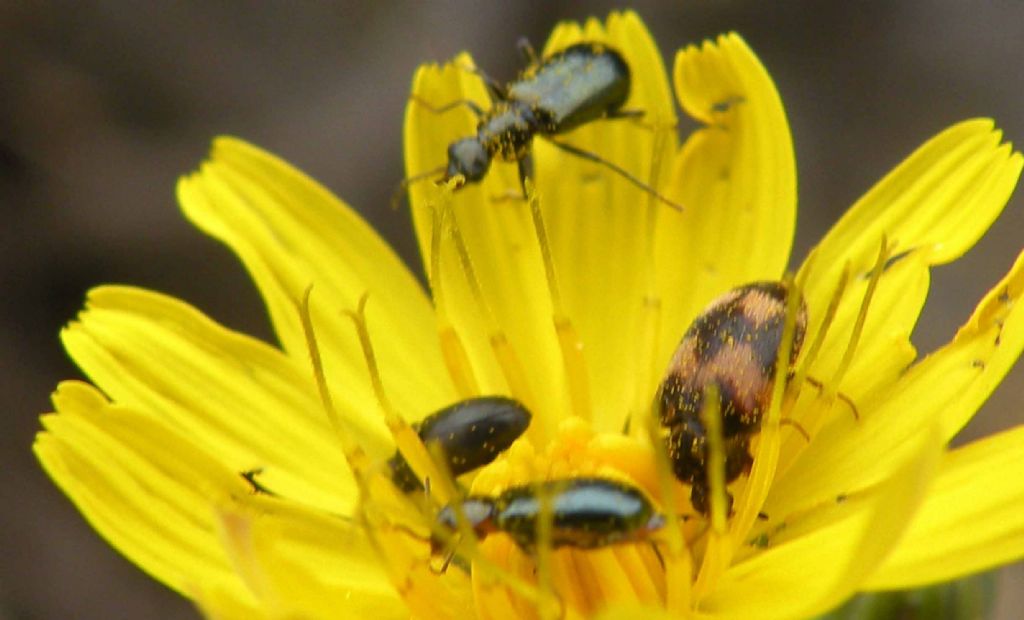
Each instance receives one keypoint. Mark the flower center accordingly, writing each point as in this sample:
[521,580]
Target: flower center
[564,564]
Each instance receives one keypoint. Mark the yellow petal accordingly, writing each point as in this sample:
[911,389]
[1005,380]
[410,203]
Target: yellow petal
[182,515]
[427,135]
[883,351]
[946,388]
[145,489]
[215,604]
[970,521]
[940,200]
[233,395]
[635,612]
[884,347]
[816,560]
[291,233]
[600,227]
[494,294]
[736,178]
[595,223]
[303,564]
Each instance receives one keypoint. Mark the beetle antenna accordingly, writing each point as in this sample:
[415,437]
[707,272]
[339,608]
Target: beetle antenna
[396,196]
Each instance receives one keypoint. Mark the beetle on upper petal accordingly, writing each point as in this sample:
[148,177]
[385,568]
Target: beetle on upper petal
[579,84]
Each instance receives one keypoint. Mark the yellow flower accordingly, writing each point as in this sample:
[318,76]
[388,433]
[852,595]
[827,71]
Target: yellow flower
[574,308]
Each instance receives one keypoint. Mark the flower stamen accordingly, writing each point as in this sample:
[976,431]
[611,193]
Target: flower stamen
[452,350]
[667,484]
[544,550]
[645,577]
[362,468]
[767,454]
[377,501]
[457,361]
[884,251]
[490,579]
[407,440]
[649,317]
[798,378]
[719,500]
[573,362]
[508,359]
[718,553]
[649,335]
[358,317]
[826,322]
[353,452]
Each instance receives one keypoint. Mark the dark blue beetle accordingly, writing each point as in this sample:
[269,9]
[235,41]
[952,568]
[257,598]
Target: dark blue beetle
[471,433]
[586,513]
[579,84]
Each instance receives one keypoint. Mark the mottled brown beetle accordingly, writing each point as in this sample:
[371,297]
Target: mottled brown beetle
[732,345]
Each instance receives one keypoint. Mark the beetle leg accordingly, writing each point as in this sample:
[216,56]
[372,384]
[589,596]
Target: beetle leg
[525,165]
[476,109]
[587,155]
[495,89]
[527,52]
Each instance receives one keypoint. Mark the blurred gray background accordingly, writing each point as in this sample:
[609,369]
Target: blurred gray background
[104,104]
